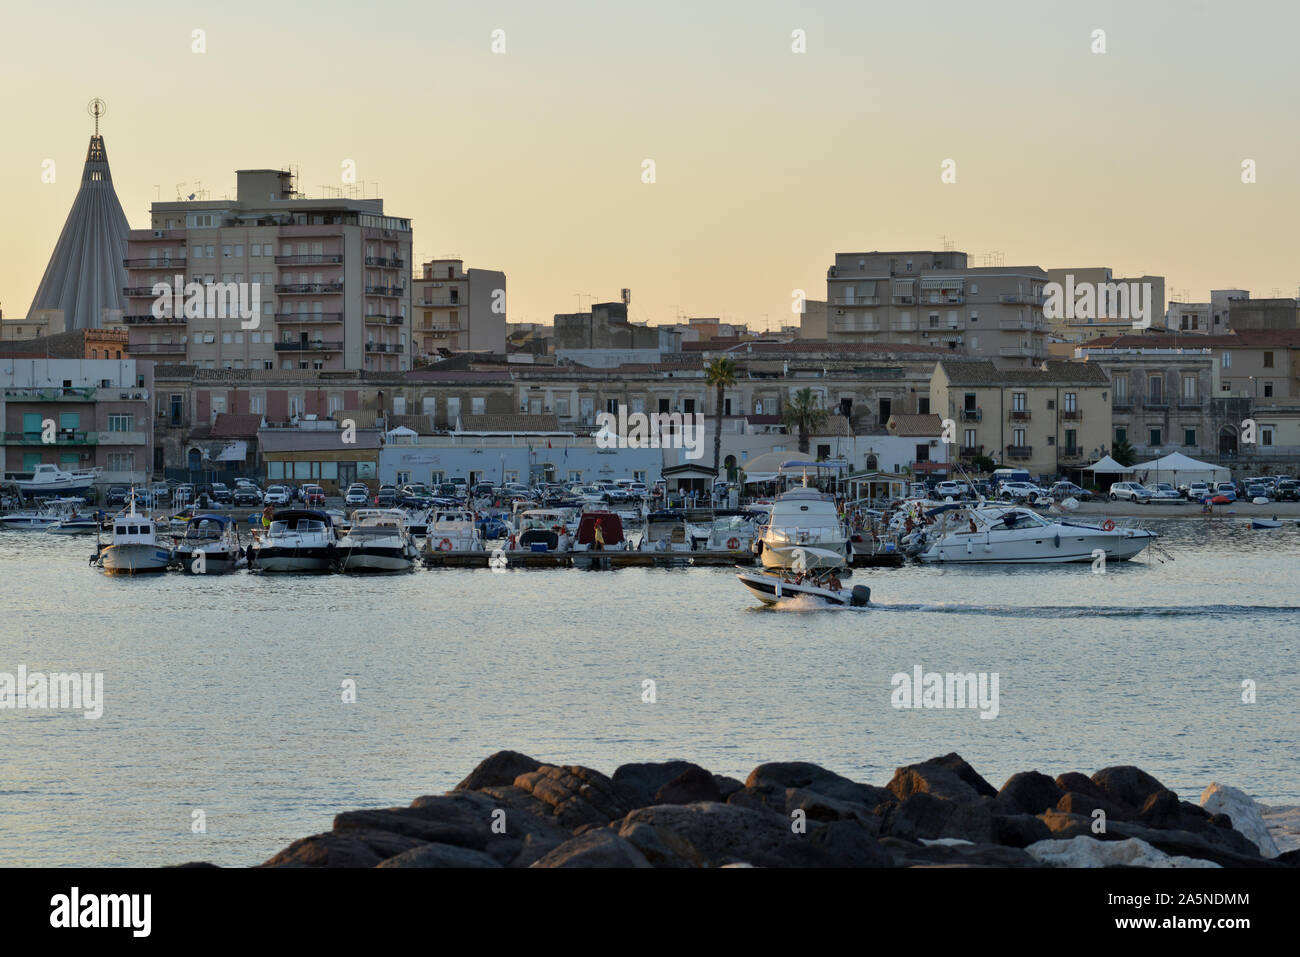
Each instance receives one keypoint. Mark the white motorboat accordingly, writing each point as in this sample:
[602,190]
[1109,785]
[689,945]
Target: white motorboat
[298,540]
[540,529]
[135,548]
[773,589]
[74,523]
[378,541]
[210,546]
[453,530]
[33,519]
[803,521]
[733,533]
[985,533]
[48,479]
[665,531]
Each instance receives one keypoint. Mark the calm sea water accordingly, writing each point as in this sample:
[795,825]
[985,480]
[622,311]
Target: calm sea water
[224,693]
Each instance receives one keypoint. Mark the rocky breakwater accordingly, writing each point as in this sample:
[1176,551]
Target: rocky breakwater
[514,811]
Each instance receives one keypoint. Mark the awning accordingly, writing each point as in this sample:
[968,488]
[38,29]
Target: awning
[947,282]
[234,452]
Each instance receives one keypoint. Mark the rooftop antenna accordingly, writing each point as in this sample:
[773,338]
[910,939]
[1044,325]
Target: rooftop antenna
[96,108]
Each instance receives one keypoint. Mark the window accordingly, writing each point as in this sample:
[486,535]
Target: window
[1121,435]
[1051,440]
[453,410]
[1018,405]
[562,407]
[1266,435]
[1154,438]
[399,405]
[1226,360]
[1156,390]
[1070,402]
[923,405]
[1268,360]
[1018,437]
[1072,440]
[477,405]
[1189,438]
[121,422]
[1189,388]
[69,421]
[121,461]
[968,441]
[257,403]
[1268,390]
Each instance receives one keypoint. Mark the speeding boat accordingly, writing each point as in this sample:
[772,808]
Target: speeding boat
[210,546]
[453,530]
[803,520]
[986,533]
[772,589]
[135,548]
[298,540]
[378,541]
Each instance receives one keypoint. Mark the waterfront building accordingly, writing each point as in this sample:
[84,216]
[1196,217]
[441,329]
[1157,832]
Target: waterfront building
[331,277]
[458,309]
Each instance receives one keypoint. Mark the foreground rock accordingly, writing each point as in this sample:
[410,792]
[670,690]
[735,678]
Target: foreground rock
[514,811]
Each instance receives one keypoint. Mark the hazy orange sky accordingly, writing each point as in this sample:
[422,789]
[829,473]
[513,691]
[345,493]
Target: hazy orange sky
[767,161]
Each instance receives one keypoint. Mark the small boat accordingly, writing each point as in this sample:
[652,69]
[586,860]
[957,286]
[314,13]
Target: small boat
[47,479]
[1011,534]
[377,541]
[772,589]
[539,530]
[611,531]
[298,540]
[210,546]
[452,530]
[135,548]
[76,524]
[666,531]
[32,519]
[1265,523]
[732,533]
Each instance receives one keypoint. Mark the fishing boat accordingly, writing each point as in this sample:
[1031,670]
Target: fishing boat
[210,546]
[772,589]
[135,548]
[47,479]
[377,541]
[986,533]
[298,540]
[803,520]
[733,533]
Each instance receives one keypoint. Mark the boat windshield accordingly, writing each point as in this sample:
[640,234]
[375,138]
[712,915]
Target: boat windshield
[301,526]
[203,530]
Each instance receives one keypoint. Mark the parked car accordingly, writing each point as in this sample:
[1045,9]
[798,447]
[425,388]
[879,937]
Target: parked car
[1063,490]
[313,496]
[1198,491]
[357,494]
[952,488]
[117,495]
[246,495]
[1131,491]
[277,495]
[221,493]
[1022,492]
[183,494]
[386,497]
[1227,490]
[1288,490]
[1164,492]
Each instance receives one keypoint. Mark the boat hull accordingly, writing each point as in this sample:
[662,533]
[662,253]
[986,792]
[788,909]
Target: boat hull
[771,590]
[215,561]
[302,560]
[1120,545]
[377,558]
[134,559]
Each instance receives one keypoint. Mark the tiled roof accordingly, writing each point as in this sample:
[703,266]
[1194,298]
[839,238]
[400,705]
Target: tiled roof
[925,425]
[510,422]
[314,440]
[236,425]
[1051,372]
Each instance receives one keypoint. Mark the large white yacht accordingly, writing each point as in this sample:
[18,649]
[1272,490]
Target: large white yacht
[378,541]
[804,530]
[1018,535]
[299,540]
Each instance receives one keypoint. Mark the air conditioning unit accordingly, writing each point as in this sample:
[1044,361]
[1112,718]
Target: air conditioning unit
[835,271]
[157,234]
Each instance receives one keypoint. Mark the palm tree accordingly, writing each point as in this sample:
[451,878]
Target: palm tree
[1123,453]
[721,374]
[804,415]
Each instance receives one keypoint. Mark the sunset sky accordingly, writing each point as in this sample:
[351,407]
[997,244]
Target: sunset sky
[767,161]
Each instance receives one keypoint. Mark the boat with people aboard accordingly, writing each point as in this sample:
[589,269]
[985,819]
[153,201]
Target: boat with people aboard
[210,545]
[803,518]
[135,548]
[1010,534]
[600,530]
[378,540]
[297,540]
[785,585]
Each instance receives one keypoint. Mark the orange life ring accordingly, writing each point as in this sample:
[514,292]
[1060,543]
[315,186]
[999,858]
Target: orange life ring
[445,545]
[733,543]
[1108,526]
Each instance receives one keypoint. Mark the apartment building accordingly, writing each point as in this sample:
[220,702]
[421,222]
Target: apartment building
[1052,417]
[929,297]
[1211,318]
[77,414]
[289,283]
[458,309]
[1108,302]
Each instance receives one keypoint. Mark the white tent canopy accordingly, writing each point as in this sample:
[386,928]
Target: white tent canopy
[1108,464]
[1178,468]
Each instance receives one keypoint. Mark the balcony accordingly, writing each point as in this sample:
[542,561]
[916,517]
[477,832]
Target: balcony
[1022,299]
[55,394]
[309,288]
[123,438]
[1191,404]
[149,318]
[1019,351]
[972,415]
[1156,402]
[858,301]
[1018,415]
[904,300]
[385,347]
[154,263]
[314,259]
[1019,451]
[139,291]
[314,346]
[1122,405]
[309,317]
[156,348]
[386,263]
[903,325]
[944,299]
[65,437]
[1069,454]
[386,320]
[395,291]
[1022,325]
[970,451]
[1071,415]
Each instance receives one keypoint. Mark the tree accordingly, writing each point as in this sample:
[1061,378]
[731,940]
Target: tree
[804,415]
[721,374]
[1123,453]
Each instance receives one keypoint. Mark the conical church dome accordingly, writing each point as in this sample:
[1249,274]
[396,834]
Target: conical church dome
[85,275]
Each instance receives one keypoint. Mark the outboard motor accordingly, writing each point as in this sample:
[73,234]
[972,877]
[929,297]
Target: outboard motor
[861,596]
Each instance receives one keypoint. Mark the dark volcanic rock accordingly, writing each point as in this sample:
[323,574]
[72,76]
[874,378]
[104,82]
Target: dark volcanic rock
[574,795]
[353,849]
[1289,858]
[498,770]
[597,848]
[908,854]
[716,834]
[1127,785]
[1161,810]
[1029,793]
[947,777]
[638,783]
[850,844]
[822,809]
[727,786]
[1019,830]
[922,815]
[440,855]
[693,784]
[1084,804]
[783,775]
[1227,848]
[1079,784]
[473,819]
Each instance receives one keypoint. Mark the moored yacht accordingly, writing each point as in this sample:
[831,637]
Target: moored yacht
[210,546]
[48,479]
[804,530]
[453,530]
[377,541]
[666,531]
[985,533]
[298,540]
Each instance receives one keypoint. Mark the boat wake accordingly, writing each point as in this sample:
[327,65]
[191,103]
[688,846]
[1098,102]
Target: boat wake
[1092,611]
